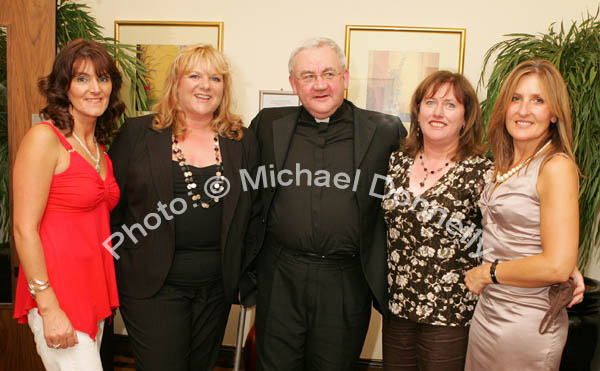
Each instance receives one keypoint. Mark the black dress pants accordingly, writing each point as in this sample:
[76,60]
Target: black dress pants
[412,346]
[178,329]
[311,313]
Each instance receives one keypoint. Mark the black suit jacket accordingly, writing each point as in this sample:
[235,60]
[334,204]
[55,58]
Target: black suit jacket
[142,165]
[376,136]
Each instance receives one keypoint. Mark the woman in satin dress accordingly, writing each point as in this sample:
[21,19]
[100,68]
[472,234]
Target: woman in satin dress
[531,226]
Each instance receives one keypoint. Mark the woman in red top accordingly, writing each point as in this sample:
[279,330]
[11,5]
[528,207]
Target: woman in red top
[64,189]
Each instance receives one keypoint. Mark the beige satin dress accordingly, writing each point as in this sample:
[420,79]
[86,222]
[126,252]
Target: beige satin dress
[504,330]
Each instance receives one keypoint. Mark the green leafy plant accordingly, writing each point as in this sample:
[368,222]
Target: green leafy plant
[575,51]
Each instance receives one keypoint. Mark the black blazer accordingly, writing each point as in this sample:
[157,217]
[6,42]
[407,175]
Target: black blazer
[142,165]
[376,136]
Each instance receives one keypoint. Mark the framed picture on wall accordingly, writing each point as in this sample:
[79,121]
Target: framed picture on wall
[157,43]
[387,63]
[277,98]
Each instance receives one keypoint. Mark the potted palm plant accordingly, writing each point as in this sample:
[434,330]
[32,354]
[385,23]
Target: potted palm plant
[575,51]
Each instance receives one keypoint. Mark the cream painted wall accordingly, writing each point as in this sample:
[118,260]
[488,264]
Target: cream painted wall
[260,34]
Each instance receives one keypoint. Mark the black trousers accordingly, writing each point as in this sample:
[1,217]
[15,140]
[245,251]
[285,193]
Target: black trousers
[311,313]
[412,346]
[178,329]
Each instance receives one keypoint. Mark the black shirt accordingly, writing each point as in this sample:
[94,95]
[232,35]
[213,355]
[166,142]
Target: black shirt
[313,214]
[197,257]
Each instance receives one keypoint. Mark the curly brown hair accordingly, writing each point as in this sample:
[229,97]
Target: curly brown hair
[170,113]
[55,87]
[470,142]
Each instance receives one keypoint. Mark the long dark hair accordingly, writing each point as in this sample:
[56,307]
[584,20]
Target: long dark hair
[55,87]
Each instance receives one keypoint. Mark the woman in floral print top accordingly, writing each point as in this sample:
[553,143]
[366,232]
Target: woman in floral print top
[433,223]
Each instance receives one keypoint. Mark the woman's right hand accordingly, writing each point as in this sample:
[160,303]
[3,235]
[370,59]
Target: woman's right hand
[40,156]
[58,331]
[478,278]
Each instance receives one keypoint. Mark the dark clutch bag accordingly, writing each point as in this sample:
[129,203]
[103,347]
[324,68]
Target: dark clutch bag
[560,294]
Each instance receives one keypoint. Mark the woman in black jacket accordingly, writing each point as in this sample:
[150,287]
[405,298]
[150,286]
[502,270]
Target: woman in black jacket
[179,227]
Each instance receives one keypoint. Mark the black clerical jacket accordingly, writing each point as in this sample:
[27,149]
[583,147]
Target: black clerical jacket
[376,136]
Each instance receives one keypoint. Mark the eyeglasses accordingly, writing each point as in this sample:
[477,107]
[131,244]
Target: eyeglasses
[309,78]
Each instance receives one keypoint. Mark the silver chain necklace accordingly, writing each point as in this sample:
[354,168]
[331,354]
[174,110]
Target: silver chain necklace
[97,159]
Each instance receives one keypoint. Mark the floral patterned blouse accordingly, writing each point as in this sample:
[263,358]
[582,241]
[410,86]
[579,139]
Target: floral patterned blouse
[433,240]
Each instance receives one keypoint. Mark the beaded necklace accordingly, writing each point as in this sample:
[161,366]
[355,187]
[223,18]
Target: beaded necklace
[503,177]
[215,187]
[422,183]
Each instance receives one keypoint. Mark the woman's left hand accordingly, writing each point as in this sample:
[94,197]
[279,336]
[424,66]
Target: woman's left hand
[579,289]
[477,278]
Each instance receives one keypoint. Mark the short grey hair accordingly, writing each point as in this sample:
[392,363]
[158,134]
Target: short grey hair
[317,42]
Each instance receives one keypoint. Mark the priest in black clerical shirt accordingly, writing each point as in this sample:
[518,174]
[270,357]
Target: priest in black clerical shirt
[316,241]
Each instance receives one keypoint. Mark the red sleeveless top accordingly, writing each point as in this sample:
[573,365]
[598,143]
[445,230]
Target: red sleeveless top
[72,230]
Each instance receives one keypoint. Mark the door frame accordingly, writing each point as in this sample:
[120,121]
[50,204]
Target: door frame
[30,53]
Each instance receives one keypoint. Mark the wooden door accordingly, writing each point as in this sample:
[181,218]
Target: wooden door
[30,48]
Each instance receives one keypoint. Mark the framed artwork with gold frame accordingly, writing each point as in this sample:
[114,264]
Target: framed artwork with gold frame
[386,63]
[157,43]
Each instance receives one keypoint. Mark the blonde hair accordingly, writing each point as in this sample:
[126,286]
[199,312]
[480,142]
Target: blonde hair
[560,134]
[169,111]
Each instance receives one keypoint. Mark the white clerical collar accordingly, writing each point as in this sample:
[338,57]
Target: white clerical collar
[322,120]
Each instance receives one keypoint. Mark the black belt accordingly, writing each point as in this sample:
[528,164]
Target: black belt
[312,256]
[334,257]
